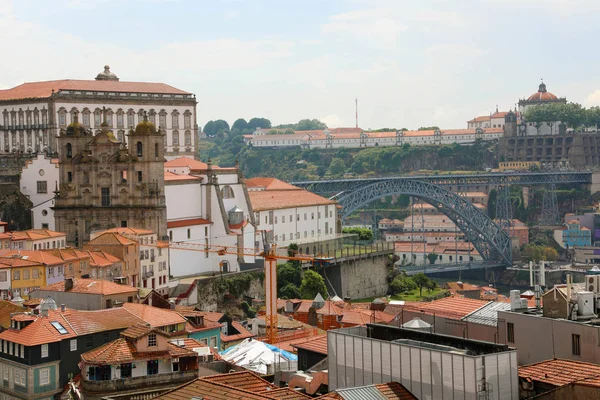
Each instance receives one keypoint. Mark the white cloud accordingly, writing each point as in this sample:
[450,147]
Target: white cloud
[332,121]
[593,98]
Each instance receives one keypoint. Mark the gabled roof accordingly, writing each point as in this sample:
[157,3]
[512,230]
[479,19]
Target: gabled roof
[7,262]
[278,199]
[46,88]
[382,391]
[140,330]
[35,234]
[110,238]
[130,231]
[187,222]
[124,351]
[454,307]
[193,165]
[243,333]
[40,331]
[91,286]
[156,317]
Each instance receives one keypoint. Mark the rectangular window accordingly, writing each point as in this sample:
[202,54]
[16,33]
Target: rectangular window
[105,197]
[62,119]
[25,274]
[22,351]
[162,120]
[152,340]
[86,120]
[69,176]
[175,121]
[16,275]
[73,344]
[20,377]
[139,174]
[187,121]
[576,344]
[44,350]
[42,187]
[35,273]
[120,120]
[510,332]
[175,138]
[89,341]
[97,119]
[44,376]
[152,366]
[3,276]
[125,370]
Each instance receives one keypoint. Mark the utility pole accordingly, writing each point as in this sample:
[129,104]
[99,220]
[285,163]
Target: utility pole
[356,108]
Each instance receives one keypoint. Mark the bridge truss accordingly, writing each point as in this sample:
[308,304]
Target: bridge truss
[487,237]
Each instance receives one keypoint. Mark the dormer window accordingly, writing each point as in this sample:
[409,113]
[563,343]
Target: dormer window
[152,340]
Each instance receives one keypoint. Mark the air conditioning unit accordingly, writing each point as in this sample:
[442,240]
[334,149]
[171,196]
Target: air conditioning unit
[592,283]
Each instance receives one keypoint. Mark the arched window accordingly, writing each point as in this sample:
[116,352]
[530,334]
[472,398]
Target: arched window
[139,149]
[69,150]
[155,149]
[227,192]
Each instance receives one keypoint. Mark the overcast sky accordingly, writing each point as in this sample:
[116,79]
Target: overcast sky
[409,63]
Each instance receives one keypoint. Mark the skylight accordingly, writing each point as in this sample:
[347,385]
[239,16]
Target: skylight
[61,329]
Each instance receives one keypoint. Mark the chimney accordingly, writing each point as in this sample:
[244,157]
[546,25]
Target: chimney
[68,284]
[63,308]
[172,304]
[150,300]
[44,312]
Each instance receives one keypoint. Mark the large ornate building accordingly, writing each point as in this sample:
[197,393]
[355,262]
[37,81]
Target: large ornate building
[32,114]
[105,184]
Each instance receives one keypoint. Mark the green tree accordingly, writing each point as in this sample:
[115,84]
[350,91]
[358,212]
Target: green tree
[212,128]
[363,233]
[258,123]
[432,257]
[402,284]
[288,273]
[239,124]
[290,291]
[337,167]
[421,280]
[309,125]
[321,171]
[312,283]
[431,285]
[429,128]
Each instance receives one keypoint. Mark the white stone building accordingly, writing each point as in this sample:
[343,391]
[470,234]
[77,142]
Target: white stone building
[357,138]
[39,178]
[32,114]
[208,205]
[292,215]
[153,257]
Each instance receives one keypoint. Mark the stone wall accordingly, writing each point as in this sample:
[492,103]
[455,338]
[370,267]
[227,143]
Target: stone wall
[358,278]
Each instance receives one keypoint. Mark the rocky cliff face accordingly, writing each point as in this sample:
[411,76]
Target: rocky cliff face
[15,208]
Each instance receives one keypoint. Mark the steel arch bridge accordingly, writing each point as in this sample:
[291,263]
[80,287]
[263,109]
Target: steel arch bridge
[492,243]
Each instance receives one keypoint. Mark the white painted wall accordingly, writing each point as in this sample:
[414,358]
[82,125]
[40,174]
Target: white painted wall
[41,169]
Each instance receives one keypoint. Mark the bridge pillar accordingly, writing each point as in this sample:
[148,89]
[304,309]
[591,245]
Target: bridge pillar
[550,215]
[595,185]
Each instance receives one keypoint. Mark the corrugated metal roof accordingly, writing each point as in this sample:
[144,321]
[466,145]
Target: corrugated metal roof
[361,393]
[488,314]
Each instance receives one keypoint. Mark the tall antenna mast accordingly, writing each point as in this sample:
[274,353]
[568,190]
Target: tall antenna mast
[356,103]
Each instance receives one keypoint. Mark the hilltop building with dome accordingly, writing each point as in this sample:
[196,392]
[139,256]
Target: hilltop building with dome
[32,114]
[106,182]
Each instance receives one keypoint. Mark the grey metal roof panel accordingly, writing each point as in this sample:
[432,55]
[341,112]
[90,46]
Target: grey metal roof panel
[361,393]
[488,314]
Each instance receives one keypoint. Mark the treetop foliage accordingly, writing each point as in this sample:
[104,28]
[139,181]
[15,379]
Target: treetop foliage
[572,114]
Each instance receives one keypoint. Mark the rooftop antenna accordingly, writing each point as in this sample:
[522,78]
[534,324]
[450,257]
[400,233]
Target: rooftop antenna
[356,107]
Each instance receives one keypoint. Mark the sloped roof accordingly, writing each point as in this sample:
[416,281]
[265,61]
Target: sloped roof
[91,286]
[6,309]
[193,165]
[40,331]
[123,351]
[559,372]
[277,199]
[243,333]
[187,222]
[110,238]
[488,314]
[173,177]
[46,88]
[38,256]
[130,231]
[154,316]
[35,234]
[269,184]
[456,307]
[382,391]
[316,344]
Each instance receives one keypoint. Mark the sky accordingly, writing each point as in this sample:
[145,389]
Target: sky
[409,63]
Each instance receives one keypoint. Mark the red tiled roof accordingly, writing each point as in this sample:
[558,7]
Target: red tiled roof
[130,231]
[156,317]
[172,177]
[316,344]
[39,256]
[87,322]
[193,165]
[187,222]
[6,309]
[36,234]
[110,238]
[277,199]
[45,89]
[40,331]
[6,262]
[559,372]
[243,333]
[140,330]
[123,351]
[269,184]
[388,391]
[452,306]
[92,286]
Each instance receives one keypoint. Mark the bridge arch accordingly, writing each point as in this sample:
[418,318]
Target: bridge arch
[492,243]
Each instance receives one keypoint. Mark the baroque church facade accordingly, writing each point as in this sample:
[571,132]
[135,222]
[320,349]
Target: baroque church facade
[106,183]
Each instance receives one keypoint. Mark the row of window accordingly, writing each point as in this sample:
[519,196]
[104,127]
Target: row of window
[271,218]
[120,118]
[24,273]
[27,117]
[48,245]
[296,235]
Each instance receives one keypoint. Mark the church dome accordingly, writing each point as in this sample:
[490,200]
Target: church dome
[75,128]
[106,75]
[145,127]
[542,94]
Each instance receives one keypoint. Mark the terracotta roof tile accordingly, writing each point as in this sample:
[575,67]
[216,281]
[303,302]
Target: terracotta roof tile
[559,372]
[186,162]
[38,256]
[45,89]
[40,331]
[36,234]
[86,322]
[456,307]
[173,177]
[6,309]
[130,231]
[269,184]
[316,344]
[140,330]
[187,222]
[272,199]
[243,333]
[156,317]
[110,238]
[123,351]
[92,286]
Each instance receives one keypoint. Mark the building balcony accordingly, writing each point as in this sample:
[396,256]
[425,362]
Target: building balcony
[115,385]
[147,274]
